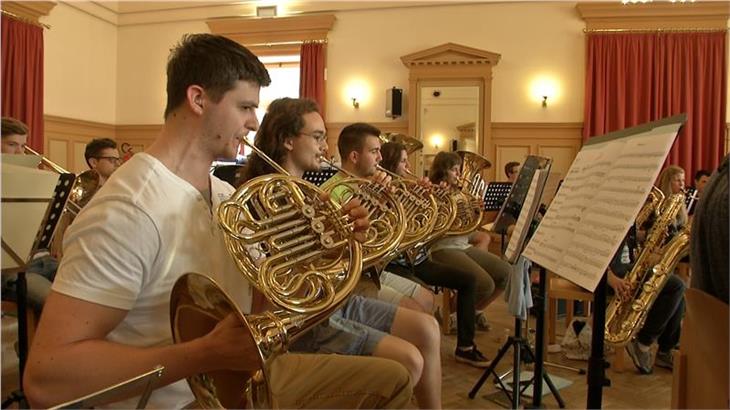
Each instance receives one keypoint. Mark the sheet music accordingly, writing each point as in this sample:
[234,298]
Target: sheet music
[597,203]
[524,220]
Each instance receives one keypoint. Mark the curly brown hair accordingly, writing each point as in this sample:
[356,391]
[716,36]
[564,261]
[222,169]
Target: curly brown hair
[283,119]
[441,165]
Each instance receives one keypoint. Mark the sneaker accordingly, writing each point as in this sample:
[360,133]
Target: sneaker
[482,323]
[472,356]
[664,359]
[642,360]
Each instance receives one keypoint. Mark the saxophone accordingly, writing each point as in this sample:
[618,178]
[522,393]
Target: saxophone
[646,279]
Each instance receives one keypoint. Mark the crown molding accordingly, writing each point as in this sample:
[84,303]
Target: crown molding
[31,10]
[273,29]
[450,54]
[656,15]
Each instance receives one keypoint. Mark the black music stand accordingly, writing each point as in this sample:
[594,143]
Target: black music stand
[519,344]
[495,195]
[42,240]
[319,177]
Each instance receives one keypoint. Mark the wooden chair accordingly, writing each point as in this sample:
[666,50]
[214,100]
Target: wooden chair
[701,365]
[559,288]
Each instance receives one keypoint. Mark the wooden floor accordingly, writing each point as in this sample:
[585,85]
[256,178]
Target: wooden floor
[628,390]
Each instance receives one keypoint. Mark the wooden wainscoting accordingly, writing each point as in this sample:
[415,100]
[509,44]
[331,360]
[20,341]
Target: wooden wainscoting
[66,138]
[513,141]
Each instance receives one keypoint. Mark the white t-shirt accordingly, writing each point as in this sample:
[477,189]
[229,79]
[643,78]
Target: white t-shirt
[144,229]
[459,242]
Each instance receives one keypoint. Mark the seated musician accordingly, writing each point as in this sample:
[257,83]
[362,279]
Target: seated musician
[359,148]
[512,170]
[663,321]
[293,134]
[665,315]
[107,317]
[102,156]
[468,253]
[42,267]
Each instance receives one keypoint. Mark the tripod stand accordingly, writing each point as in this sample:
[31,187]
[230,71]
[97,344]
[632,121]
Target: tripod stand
[21,288]
[520,344]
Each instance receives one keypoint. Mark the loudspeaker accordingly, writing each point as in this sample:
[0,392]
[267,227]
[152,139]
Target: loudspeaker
[454,145]
[393,102]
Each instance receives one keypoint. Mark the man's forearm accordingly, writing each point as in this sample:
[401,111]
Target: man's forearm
[65,373]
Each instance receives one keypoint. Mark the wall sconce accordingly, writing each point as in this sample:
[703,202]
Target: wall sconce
[437,140]
[355,103]
[542,88]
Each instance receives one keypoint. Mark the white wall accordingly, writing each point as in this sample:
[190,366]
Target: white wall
[80,66]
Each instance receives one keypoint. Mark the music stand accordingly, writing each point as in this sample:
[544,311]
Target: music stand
[495,195]
[30,197]
[319,177]
[518,343]
[118,392]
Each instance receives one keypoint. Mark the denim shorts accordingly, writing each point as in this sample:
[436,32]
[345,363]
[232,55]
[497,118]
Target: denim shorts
[355,329]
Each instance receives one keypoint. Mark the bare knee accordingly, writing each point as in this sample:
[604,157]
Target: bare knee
[428,334]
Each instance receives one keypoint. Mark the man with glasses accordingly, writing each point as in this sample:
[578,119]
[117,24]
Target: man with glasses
[102,156]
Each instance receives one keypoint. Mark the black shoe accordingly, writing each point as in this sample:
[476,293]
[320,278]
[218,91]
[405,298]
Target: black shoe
[472,356]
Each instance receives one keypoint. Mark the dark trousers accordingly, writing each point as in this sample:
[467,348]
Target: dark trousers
[664,319]
[447,276]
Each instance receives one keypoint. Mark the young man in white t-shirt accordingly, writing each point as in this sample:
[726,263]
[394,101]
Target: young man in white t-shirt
[107,318]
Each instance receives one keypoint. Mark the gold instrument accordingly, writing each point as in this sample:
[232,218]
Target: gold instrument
[387,229]
[469,200]
[312,265]
[651,206]
[646,279]
[435,209]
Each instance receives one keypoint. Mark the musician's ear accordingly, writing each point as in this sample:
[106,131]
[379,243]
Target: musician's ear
[289,143]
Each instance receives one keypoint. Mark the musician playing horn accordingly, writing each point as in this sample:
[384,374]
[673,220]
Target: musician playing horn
[102,156]
[293,134]
[107,318]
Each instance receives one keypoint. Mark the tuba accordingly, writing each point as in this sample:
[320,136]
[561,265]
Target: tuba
[646,279]
[470,208]
[312,265]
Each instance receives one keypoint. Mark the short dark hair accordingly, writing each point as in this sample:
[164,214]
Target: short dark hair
[283,119]
[391,152]
[212,62]
[508,167]
[94,148]
[701,173]
[441,165]
[11,126]
[352,138]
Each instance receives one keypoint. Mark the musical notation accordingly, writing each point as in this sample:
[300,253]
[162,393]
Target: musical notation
[598,201]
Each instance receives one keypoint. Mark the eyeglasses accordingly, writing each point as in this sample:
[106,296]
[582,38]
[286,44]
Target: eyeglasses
[115,160]
[319,137]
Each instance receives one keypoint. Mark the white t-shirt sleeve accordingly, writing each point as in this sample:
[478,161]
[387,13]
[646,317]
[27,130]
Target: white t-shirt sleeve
[108,252]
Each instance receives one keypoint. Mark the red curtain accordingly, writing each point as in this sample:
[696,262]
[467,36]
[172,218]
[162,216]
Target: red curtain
[636,78]
[22,76]
[311,73]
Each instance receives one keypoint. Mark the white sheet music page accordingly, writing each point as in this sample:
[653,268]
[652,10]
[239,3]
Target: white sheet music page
[523,224]
[597,203]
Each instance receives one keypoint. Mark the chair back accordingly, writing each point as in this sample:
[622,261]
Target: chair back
[701,366]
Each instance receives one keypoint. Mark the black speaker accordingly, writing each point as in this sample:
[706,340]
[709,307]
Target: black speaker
[454,145]
[393,102]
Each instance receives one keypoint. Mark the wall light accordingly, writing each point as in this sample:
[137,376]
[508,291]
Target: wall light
[357,92]
[436,140]
[543,88]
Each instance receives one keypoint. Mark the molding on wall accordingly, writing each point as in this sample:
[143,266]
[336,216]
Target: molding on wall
[250,31]
[450,54]
[70,126]
[656,15]
[29,9]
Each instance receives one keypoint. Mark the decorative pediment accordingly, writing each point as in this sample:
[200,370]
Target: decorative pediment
[450,54]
